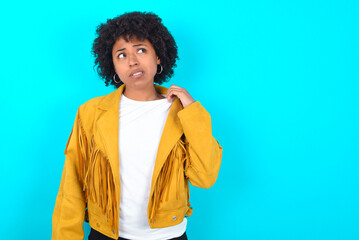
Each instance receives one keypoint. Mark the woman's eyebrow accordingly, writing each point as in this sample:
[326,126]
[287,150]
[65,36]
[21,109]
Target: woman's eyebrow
[136,45]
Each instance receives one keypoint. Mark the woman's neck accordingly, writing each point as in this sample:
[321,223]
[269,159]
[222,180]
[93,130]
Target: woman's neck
[142,94]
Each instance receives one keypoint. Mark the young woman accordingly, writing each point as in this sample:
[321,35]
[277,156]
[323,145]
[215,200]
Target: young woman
[131,153]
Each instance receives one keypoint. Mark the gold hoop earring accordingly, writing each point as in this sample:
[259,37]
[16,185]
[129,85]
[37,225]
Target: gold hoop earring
[114,79]
[161,69]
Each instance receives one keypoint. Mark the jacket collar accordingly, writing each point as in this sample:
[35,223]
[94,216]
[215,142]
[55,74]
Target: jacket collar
[108,127]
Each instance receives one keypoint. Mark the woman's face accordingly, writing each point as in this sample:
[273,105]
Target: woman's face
[135,62]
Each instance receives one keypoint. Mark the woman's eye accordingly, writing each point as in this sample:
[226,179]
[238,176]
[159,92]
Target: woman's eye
[121,55]
[141,50]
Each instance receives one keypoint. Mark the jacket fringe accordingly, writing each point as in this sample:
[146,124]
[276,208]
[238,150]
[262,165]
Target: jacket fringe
[89,157]
[179,152]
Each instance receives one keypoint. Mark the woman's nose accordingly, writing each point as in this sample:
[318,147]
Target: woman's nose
[132,60]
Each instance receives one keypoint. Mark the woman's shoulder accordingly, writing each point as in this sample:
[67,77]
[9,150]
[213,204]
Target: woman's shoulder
[99,102]
[91,110]
[93,102]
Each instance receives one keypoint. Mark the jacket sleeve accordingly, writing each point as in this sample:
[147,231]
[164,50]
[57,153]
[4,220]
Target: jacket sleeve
[69,212]
[205,153]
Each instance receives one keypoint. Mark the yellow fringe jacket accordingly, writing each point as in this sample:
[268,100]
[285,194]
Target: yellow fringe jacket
[90,184]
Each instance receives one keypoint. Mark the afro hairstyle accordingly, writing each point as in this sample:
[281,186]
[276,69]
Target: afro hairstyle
[142,25]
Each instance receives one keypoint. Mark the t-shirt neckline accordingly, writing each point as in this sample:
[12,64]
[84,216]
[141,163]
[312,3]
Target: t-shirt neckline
[136,101]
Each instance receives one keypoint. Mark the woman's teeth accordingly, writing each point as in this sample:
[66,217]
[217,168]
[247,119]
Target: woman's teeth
[138,73]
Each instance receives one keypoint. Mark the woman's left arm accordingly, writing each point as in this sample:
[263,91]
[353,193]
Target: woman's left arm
[205,153]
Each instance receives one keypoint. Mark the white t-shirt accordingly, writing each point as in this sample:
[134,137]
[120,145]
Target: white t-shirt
[140,129]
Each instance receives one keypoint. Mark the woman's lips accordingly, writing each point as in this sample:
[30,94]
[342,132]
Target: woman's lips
[137,74]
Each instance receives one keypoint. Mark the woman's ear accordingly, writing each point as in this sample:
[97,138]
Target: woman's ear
[158,60]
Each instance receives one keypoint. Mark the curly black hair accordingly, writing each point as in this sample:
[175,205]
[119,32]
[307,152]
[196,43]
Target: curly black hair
[143,25]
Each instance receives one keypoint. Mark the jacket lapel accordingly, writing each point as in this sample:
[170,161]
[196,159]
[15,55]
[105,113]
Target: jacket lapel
[172,131]
[107,124]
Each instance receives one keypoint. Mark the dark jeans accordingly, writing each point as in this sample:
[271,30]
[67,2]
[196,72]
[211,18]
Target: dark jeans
[95,235]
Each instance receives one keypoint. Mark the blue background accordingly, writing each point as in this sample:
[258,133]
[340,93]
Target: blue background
[279,78]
